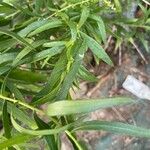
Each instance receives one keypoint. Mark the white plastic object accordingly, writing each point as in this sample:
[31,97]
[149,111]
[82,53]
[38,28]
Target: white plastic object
[136,87]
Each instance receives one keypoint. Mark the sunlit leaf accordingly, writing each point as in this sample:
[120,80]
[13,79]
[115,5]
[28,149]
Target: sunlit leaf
[84,15]
[84,106]
[97,49]
[51,24]
[115,127]
[17,139]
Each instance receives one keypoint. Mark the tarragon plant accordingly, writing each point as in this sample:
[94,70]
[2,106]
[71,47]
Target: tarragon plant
[42,48]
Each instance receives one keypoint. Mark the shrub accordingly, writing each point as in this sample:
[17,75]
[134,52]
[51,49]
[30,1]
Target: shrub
[42,46]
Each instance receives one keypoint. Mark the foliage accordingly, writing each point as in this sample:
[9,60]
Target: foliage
[42,46]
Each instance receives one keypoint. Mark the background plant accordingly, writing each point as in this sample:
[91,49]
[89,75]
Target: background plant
[42,46]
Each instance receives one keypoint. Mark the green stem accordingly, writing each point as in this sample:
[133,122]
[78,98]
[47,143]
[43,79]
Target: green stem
[27,106]
[75,141]
[22,104]
[69,6]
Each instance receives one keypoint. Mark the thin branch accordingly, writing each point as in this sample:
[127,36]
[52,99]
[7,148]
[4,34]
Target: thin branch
[69,6]
[138,50]
[22,104]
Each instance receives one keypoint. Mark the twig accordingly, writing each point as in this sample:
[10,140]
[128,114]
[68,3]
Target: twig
[120,56]
[135,70]
[108,41]
[69,6]
[109,38]
[138,50]
[102,79]
[118,114]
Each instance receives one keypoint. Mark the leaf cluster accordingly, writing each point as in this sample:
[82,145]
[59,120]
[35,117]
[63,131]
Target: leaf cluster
[42,48]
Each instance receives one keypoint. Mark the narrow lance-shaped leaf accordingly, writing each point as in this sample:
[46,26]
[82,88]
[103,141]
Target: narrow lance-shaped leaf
[7,57]
[86,75]
[6,121]
[21,115]
[84,106]
[54,44]
[12,87]
[51,24]
[48,97]
[54,78]
[84,15]
[27,50]
[97,49]
[50,139]
[72,74]
[38,5]
[118,5]
[101,26]
[24,32]
[73,29]
[40,132]
[73,139]
[27,76]
[47,53]
[7,44]
[4,69]
[17,37]
[115,127]
[6,9]
[17,139]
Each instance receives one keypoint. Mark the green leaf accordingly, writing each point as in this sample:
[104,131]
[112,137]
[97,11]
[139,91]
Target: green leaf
[27,50]
[94,32]
[5,9]
[6,121]
[7,57]
[73,29]
[83,106]
[70,77]
[84,15]
[27,76]
[73,140]
[17,37]
[47,97]
[101,26]
[17,139]
[54,79]
[97,49]
[145,43]
[13,89]
[47,53]
[38,5]
[148,21]
[51,24]
[118,5]
[4,69]
[21,115]
[39,132]
[50,139]
[54,44]
[115,127]
[33,26]
[7,44]
[86,75]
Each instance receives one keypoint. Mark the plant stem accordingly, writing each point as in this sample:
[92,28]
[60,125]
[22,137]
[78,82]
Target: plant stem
[75,141]
[69,6]
[22,104]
